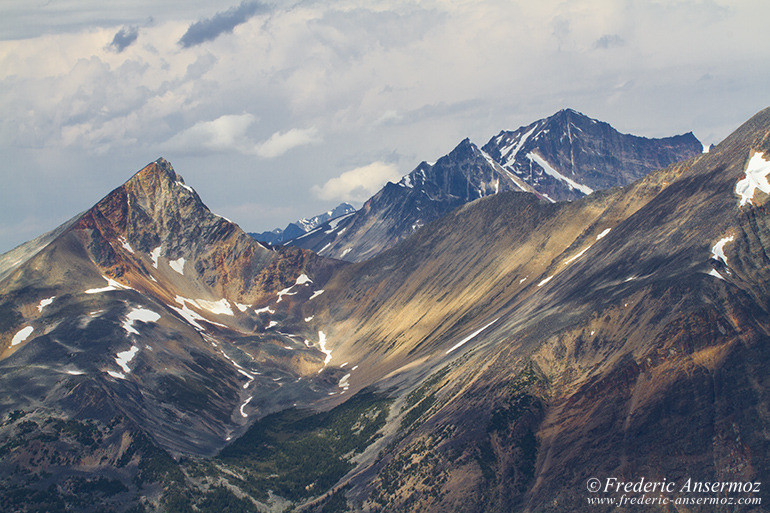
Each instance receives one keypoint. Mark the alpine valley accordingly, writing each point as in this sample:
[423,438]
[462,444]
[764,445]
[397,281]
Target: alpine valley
[573,303]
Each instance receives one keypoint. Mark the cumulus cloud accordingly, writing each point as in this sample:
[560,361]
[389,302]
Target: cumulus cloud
[226,133]
[124,38]
[208,29]
[281,142]
[231,133]
[357,184]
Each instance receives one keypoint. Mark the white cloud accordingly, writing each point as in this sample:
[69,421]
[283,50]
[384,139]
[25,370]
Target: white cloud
[281,142]
[226,133]
[357,184]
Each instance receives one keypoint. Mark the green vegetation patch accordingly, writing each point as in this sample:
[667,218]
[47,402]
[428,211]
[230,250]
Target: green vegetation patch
[298,454]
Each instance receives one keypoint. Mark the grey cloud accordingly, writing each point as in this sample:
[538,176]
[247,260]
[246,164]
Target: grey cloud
[208,29]
[609,41]
[124,38]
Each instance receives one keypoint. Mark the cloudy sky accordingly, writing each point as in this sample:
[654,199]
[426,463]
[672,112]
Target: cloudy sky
[274,111]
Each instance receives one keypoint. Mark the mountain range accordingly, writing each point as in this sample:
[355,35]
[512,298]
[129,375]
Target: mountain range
[303,226]
[157,358]
[562,157]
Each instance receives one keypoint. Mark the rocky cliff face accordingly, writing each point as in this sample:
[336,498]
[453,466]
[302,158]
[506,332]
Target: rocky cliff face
[563,157]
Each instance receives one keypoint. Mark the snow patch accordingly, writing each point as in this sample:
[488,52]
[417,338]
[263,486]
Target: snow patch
[75,372]
[126,245]
[322,344]
[302,279]
[714,273]
[308,319]
[124,358]
[471,336]
[22,335]
[545,281]
[316,294]
[718,251]
[344,384]
[348,250]
[185,186]
[272,324]
[221,307]
[577,256]
[155,254]
[117,375]
[522,280]
[603,234]
[111,285]
[139,314]
[551,171]
[242,307]
[247,401]
[756,178]
[177,265]
[264,310]
[44,303]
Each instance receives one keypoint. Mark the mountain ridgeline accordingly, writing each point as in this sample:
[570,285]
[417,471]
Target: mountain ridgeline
[302,226]
[563,157]
[156,358]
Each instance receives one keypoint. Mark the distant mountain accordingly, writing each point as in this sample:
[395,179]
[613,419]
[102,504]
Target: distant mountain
[563,157]
[302,226]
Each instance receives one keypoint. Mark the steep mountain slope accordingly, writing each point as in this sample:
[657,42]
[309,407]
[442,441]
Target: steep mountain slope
[563,157]
[147,326]
[535,346]
[302,226]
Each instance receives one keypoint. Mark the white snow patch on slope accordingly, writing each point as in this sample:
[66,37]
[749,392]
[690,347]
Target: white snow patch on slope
[316,294]
[512,155]
[322,344]
[184,185]
[139,314]
[22,335]
[577,256]
[124,358]
[177,265]
[718,251]
[308,319]
[603,234]
[221,307]
[126,245]
[272,324]
[155,254]
[344,384]
[242,307]
[264,310]
[44,303]
[111,285]
[347,250]
[189,315]
[75,372]
[545,281]
[756,178]
[118,375]
[551,171]
[247,401]
[471,336]
[302,279]
[714,273]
